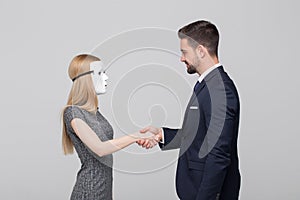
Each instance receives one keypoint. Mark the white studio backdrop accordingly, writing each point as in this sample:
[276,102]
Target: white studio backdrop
[258,48]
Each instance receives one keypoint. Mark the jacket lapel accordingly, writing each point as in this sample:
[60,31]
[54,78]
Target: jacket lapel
[202,84]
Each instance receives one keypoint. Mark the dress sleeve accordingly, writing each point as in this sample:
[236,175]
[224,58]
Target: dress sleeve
[71,113]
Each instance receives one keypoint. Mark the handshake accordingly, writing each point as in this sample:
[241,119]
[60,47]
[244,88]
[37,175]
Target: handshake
[148,137]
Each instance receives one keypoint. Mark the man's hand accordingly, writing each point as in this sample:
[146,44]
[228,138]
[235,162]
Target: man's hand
[149,143]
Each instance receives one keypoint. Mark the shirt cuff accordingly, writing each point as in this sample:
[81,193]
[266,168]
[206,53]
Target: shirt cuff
[162,141]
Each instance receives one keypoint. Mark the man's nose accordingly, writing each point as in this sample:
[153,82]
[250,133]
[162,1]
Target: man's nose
[182,58]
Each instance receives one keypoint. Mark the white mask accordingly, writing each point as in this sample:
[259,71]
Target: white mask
[99,77]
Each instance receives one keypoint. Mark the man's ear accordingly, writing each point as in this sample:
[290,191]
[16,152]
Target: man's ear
[201,50]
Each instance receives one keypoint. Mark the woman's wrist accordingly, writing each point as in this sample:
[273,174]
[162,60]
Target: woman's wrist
[135,137]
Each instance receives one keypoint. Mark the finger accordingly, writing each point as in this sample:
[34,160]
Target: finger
[144,130]
[153,143]
[148,146]
[145,143]
[141,142]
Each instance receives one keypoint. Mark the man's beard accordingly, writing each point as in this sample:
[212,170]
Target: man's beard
[191,69]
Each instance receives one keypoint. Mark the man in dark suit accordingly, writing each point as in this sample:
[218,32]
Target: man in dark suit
[208,166]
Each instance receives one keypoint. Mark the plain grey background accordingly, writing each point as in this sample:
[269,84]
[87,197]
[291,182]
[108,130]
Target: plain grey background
[259,49]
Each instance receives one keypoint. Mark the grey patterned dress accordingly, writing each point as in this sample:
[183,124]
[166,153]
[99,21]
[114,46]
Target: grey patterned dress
[94,179]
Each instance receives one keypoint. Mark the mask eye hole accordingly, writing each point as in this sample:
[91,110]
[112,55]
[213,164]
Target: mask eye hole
[99,73]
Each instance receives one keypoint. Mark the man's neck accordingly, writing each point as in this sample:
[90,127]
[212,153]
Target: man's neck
[208,64]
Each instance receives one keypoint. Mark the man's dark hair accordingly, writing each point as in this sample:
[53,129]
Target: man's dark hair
[201,33]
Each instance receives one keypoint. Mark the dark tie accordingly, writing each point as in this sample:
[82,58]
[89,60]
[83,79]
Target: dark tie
[196,86]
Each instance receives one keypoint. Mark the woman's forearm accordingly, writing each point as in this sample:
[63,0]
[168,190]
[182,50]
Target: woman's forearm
[111,146]
[102,148]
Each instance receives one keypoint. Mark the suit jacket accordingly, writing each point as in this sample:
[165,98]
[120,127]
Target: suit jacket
[208,166]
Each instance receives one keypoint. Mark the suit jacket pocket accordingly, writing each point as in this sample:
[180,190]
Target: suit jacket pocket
[196,165]
[196,173]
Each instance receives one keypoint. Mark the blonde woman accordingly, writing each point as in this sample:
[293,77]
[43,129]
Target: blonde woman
[85,128]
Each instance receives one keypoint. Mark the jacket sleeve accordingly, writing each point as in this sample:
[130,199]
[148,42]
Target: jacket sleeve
[172,139]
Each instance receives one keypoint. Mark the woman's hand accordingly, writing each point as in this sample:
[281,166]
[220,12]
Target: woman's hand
[152,141]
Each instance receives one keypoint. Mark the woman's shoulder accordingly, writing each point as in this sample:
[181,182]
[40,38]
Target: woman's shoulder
[72,109]
[71,112]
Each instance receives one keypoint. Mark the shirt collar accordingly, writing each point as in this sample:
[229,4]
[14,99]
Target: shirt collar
[206,72]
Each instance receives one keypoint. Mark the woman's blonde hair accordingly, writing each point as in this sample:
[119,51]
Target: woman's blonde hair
[82,93]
